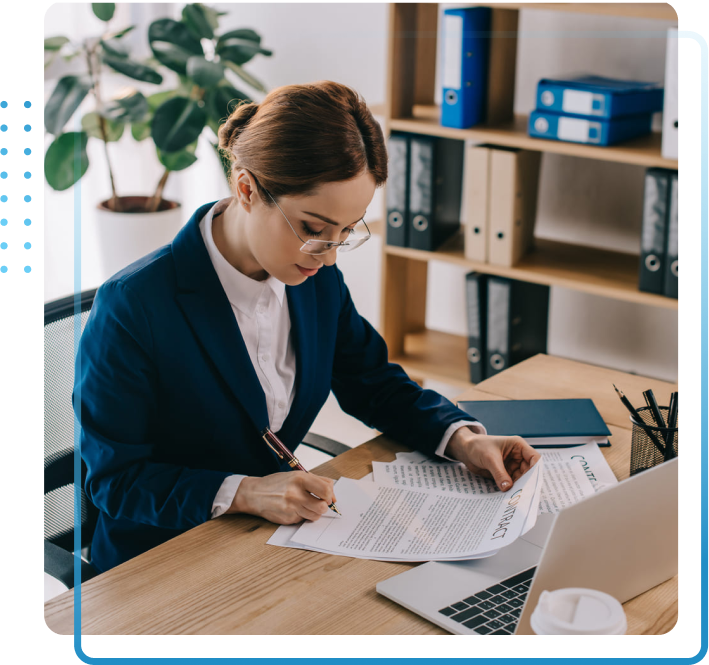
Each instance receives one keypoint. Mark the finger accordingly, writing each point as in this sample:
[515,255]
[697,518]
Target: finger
[315,504]
[308,514]
[530,455]
[319,486]
[495,465]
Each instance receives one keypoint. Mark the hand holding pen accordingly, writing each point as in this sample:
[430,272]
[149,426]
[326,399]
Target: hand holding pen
[278,447]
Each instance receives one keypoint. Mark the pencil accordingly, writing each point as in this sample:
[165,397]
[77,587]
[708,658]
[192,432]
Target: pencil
[639,421]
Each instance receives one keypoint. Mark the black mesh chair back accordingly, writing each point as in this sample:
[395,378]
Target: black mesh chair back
[59,345]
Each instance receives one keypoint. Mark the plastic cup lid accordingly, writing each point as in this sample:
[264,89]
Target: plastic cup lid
[578,612]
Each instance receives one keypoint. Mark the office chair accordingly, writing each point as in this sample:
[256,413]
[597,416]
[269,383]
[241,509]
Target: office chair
[59,445]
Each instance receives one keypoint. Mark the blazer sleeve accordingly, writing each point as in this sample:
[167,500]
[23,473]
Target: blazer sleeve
[115,400]
[378,392]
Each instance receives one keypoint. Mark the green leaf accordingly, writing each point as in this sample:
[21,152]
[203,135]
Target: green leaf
[221,102]
[177,123]
[177,34]
[204,73]
[132,69]
[140,130]
[132,108]
[66,160]
[178,160]
[172,56]
[49,58]
[202,21]
[65,99]
[159,98]
[120,33]
[104,10]
[239,46]
[115,47]
[55,43]
[245,76]
[91,124]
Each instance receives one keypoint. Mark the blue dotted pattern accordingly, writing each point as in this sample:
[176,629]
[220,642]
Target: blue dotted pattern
[6,174]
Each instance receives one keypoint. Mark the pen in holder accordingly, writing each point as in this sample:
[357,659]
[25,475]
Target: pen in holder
[646,452]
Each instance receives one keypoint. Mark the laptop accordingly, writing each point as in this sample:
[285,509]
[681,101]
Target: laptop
[622,540]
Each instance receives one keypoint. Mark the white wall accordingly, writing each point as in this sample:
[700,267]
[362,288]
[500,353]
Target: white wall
[584,201]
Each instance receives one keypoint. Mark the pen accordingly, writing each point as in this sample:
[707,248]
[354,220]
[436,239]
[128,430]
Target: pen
[672,420]
[278,447]
[655,410]
[640,422]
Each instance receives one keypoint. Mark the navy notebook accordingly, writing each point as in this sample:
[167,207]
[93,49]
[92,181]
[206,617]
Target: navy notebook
[541,419]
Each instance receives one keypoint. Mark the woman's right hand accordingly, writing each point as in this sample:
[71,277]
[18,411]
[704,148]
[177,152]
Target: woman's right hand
[284,498]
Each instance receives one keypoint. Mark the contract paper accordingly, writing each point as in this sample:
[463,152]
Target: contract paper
[589,458]
[393,523]
[570,474]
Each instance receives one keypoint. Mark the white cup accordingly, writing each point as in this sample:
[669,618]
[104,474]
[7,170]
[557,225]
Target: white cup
[578,612]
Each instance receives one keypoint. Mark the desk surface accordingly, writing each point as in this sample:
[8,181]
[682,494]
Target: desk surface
[222,578]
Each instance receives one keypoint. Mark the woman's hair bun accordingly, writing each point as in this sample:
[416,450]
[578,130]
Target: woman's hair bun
[236,123]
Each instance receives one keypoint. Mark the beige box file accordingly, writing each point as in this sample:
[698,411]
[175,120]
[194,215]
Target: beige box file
[514,184]
[474,210]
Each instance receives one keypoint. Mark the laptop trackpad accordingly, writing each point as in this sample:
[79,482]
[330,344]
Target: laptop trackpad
[439,583]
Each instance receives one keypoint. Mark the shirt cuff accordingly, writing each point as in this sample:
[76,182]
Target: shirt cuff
[477,427]
[225,495]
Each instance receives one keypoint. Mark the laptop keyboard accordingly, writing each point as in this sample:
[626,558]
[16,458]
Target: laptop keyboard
[495,610]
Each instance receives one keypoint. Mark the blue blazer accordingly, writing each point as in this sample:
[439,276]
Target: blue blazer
[170,405]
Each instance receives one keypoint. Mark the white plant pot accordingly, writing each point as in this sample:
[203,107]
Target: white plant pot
[124,237]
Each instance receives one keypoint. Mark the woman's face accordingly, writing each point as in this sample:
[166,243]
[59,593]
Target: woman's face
[325,215]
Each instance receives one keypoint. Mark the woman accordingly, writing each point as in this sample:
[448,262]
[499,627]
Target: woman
[243,322]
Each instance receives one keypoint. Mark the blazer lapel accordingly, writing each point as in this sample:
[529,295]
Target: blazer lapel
[302,307]
[207,308]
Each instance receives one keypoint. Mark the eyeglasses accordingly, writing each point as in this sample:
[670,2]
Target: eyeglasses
[355,239]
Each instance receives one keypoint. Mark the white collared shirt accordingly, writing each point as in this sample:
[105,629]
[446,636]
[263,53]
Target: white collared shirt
[261,311]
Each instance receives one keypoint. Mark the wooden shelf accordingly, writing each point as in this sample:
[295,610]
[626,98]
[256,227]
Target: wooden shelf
[586,269]
[643,151]
[661,11]
[410,106]
[437,356]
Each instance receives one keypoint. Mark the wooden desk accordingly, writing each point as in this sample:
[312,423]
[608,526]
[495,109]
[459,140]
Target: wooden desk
[222,578]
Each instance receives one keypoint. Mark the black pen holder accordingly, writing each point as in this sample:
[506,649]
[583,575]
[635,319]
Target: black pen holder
[646,452]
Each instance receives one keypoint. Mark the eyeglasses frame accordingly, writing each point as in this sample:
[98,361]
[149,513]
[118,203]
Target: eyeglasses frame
[313,242]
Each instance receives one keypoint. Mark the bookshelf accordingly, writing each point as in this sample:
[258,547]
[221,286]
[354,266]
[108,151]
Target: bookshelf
[409,106]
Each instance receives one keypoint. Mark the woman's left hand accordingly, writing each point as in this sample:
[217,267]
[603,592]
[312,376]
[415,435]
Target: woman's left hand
[502,458]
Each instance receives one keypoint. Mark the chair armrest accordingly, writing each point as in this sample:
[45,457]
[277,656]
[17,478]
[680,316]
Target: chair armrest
[60,565]
[325,445]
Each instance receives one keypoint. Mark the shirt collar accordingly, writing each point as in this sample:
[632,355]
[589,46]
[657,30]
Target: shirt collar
[242,291]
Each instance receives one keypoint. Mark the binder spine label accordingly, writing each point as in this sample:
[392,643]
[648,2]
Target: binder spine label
[498,316]
[573,129]
[421,194]
[396,187]
[453,63]
[577,101]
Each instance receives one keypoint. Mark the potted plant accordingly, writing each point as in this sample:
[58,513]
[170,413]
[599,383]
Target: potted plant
[131,226]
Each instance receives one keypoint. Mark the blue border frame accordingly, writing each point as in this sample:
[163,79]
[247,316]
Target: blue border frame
[492,661]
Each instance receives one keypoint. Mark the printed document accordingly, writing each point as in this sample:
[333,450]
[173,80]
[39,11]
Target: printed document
[393,523]
[570,474]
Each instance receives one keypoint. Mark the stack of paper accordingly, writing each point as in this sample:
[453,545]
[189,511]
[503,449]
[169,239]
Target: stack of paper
[419,509]
[570,474]
[387,522]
